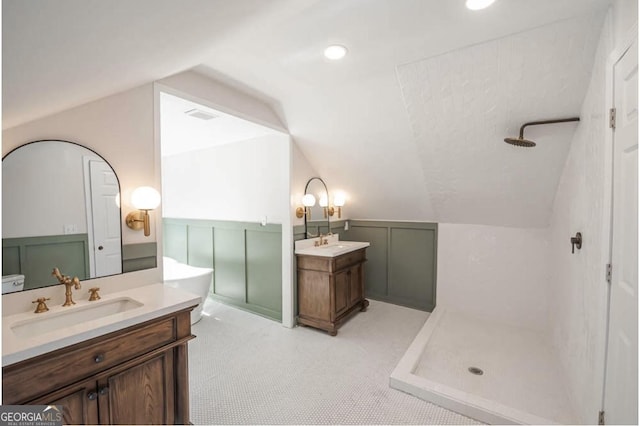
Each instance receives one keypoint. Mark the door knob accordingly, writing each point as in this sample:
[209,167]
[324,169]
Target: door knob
[92,395]
[100,247]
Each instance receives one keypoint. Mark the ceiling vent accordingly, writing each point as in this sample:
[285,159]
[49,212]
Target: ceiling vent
[202,115]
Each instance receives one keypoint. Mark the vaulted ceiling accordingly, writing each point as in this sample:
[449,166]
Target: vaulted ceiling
[410,123]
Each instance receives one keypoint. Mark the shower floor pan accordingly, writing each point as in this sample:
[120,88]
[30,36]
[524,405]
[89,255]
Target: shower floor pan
[520,381]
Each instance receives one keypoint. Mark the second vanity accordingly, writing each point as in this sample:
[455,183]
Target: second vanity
[330,281]
[119,360]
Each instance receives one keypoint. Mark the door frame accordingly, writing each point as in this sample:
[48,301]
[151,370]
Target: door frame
[617,53]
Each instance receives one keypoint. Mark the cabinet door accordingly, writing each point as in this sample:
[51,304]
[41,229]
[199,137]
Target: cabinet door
[341,292]
[79,403]
[141,394]
[356,284]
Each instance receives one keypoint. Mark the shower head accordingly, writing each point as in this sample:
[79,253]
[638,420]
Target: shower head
[521,141]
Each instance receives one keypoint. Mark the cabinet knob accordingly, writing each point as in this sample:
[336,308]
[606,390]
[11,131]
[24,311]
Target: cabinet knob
[92,396]
[103,390]
[98,358]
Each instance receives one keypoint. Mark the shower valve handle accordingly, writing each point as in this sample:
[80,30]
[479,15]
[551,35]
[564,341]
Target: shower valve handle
[576,242]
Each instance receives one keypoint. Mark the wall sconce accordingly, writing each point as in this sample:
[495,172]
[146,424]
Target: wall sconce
[308,201]
[324,203]
[144,199]
[338,201]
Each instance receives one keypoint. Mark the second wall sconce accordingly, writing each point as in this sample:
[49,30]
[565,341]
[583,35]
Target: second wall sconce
[308,201]
[144,199]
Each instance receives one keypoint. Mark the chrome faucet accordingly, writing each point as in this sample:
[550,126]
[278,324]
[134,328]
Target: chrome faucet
[68,283]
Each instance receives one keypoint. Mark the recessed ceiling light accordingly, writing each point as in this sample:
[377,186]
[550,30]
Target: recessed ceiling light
[335,52]
[478,4]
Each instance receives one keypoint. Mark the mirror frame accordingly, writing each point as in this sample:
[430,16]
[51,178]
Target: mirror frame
[119,202]
[306,187]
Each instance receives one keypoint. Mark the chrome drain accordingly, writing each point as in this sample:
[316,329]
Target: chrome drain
[476,371]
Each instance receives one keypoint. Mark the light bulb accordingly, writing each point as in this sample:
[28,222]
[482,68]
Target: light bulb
[335,52]
[478,4]
[308,200]
[145,198]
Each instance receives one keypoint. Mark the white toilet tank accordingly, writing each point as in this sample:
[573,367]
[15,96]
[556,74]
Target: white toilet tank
[11,283]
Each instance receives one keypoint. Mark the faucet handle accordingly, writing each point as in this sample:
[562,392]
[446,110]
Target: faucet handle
[94,294]
[42,306]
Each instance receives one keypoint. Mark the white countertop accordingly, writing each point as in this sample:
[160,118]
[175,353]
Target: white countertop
[156,299]
[333,248]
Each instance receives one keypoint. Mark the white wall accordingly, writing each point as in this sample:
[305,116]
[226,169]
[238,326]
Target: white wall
[579,303]
[203,90]
[240,181]
[301,172]
[495,273]
[121,129]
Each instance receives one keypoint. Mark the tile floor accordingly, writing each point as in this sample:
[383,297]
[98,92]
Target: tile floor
[245,369]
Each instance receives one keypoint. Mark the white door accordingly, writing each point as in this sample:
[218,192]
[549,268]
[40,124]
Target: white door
[106,219]
[621,385]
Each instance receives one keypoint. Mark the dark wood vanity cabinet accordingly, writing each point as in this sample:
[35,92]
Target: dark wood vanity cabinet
[330,289]
[138,375]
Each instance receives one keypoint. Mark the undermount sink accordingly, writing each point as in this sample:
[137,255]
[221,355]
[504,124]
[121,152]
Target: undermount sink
[50,321]
[333,248]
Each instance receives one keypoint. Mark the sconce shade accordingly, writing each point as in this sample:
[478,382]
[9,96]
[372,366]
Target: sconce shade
[308,200]
[338,200]
[324,200]
[145,198]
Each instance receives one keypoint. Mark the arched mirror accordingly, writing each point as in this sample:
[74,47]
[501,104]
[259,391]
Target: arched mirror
[60,208]
[316,221]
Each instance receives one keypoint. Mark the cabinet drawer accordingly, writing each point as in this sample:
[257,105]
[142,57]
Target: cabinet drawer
[77,362]
[349,259]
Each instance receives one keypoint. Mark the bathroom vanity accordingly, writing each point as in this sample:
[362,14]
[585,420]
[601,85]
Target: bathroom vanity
[125,368]
[330,282]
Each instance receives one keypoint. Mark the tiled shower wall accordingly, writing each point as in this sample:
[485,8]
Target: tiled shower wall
[579,302]
[495,273]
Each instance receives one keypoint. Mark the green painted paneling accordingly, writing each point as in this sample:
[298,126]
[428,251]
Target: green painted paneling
[375,269]
[246,257]
[229,263]
[411,267]
[200,246]
[174,239]
[10,260]
[264,270]
[139,256]
[402,260]
[37,257]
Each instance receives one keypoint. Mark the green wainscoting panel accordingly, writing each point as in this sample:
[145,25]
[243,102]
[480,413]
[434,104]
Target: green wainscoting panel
[200,246]
[10,260]
[376,267]
[174,240]
[139,256]
[230,263]
[246,257]
[264,273]
[37,256]
[402,260]
[411,266]
[337,227]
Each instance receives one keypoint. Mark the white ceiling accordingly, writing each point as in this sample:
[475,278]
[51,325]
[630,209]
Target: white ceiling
[182,133]
[364,123]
